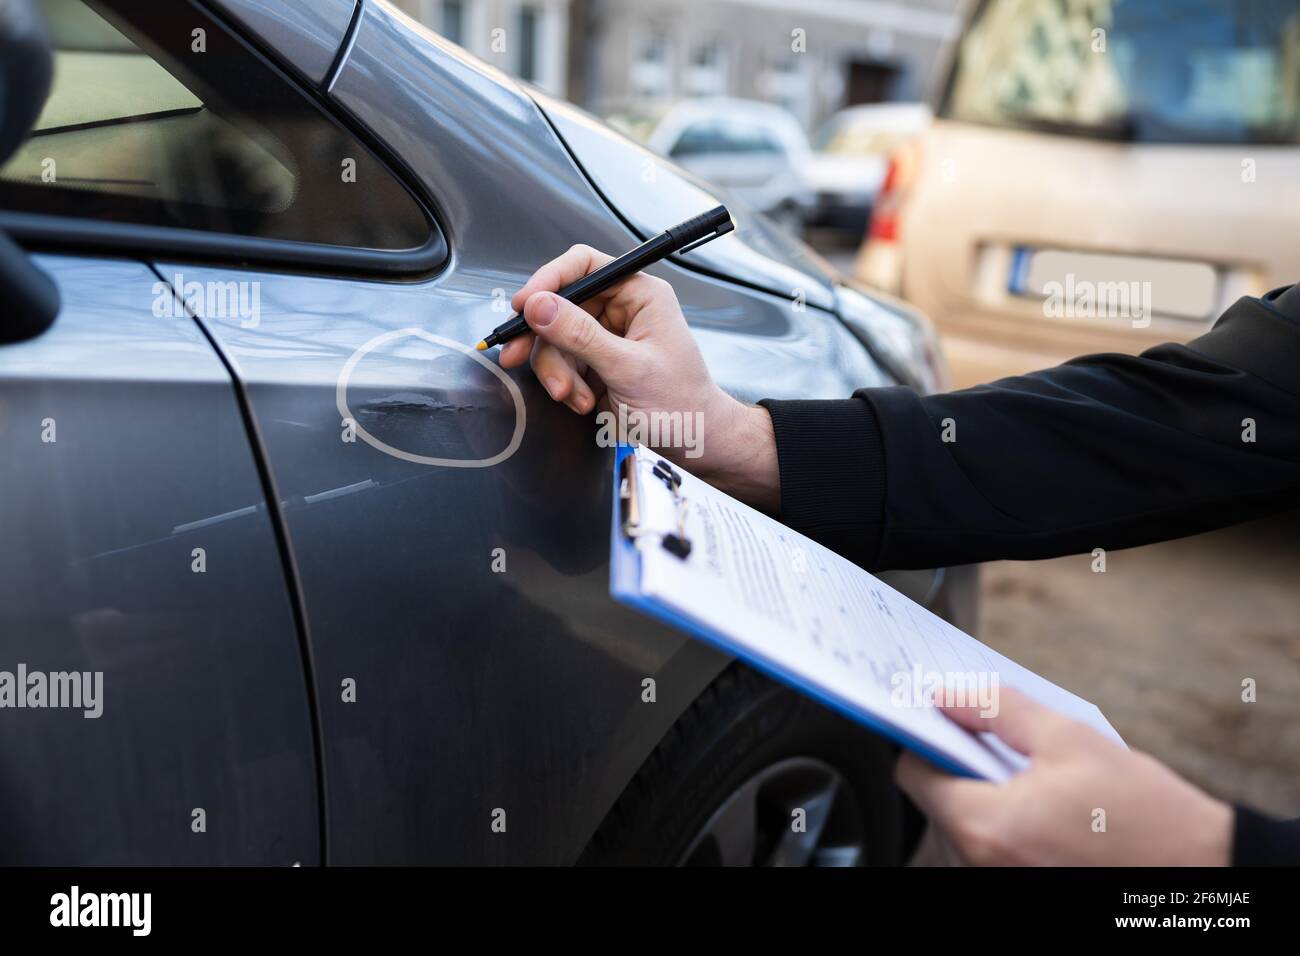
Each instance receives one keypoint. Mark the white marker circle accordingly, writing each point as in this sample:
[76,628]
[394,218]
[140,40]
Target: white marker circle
[341,399]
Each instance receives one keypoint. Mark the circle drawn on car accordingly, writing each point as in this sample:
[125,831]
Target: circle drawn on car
[341,400]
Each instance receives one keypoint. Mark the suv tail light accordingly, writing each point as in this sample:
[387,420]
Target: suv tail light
[898,179]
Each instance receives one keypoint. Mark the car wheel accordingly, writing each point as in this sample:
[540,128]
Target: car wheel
[756,774]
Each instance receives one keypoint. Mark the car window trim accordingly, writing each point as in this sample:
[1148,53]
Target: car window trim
[70,234]
[73,234]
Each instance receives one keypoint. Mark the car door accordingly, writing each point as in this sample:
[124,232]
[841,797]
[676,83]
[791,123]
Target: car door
[482,697]
[155,703]
[153,707]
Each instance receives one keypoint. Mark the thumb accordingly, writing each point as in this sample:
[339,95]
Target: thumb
[573,330]
[1018,720]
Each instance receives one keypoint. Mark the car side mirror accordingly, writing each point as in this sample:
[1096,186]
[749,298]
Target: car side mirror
[31,297]
[26,68]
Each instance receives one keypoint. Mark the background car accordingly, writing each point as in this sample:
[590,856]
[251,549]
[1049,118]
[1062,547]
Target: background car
[1157,145]
[850,157]
[265,236]
[636,124]
[758,152]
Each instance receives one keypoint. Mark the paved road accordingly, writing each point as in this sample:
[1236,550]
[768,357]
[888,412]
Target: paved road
[1162,642]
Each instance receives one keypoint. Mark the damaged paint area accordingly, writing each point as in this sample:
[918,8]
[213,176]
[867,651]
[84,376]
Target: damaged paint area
[408,391]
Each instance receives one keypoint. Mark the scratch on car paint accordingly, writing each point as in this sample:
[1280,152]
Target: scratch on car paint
[413,402]
[341,400]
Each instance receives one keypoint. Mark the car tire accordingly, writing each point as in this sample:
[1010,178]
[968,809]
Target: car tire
[728,782]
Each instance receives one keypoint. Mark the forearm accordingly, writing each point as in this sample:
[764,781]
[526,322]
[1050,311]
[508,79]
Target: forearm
[1109,451]
[831,473]
[738,453]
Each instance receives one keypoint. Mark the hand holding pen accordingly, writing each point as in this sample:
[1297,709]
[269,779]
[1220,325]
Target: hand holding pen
[678,239]
[630,346]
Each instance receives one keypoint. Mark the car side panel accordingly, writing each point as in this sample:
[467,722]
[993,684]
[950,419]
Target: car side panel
[305,34]
[135,542]
[468,654]
[476,689]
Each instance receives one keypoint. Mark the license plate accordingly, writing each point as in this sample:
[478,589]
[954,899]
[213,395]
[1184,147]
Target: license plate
[1092,285]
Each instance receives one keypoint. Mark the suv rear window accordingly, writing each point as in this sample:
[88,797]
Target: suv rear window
[1189,71]
[166,119]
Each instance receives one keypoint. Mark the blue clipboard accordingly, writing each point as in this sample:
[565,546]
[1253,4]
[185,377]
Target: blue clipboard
[625,587]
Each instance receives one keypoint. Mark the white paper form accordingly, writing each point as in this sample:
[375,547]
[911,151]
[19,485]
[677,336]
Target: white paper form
[821,622]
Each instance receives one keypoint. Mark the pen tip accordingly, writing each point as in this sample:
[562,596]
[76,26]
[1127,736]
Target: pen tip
[482,346]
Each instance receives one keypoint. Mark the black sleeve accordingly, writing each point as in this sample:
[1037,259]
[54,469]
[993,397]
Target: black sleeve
[1107,451]
[1258,840]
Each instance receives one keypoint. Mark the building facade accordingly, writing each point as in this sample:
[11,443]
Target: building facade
[812,56]
[637,57]
[528,39]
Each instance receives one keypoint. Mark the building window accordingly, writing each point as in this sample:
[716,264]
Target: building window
[706,71]
[453,21]
[529,37]
[652,75]
[785,82]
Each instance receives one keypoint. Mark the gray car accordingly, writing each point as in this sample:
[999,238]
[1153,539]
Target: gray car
[287,574]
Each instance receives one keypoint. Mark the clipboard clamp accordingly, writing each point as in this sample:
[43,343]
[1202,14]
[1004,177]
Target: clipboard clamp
[674,542]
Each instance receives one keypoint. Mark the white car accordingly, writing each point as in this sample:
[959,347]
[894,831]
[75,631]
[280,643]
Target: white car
[755,150]
[850,156]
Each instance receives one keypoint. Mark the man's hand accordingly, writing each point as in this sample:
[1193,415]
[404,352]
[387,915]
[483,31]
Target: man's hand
[1047,814]
[631,347]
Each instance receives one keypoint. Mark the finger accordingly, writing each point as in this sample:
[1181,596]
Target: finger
[629,298]
[581,400]
[561,378]
[552,370]
[595,383]
[1019,721]
[577,262]
[584,396]
[944,798]
[574,332]
[517,351]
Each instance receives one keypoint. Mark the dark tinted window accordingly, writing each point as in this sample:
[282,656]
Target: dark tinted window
[170,121]
[1196,71]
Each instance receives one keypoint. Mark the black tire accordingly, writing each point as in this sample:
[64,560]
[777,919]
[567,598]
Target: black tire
[746,735]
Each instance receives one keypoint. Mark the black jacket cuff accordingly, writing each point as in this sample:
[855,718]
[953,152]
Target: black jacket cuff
[830,458]
[1259,840]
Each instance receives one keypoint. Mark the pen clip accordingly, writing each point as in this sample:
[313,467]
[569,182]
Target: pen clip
[722,230]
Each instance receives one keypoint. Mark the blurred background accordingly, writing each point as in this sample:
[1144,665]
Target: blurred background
[966,157]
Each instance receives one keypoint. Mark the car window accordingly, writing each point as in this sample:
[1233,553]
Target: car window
[168,120]
[1196,71]
[724,136]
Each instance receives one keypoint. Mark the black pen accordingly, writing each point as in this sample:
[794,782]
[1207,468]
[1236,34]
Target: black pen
[680,238]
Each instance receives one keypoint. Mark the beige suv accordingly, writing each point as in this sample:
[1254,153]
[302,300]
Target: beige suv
[1102,175]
